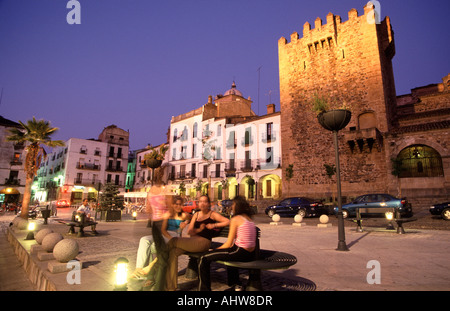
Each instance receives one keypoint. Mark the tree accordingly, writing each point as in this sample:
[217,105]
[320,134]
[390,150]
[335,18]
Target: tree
[397,169]
[110,199]
[330,171]
[35,133]
[289,175]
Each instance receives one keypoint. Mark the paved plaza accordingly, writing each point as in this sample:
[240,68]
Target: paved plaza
[377,260]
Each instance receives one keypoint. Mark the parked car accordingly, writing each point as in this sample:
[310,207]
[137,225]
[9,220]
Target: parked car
[296,206]
[190,207]
[376,200]
[442,209]
[62,203]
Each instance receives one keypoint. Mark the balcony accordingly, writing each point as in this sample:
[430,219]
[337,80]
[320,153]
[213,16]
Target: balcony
[114,169]
[268,137]
[231,143]
[12,182]
[88,166]
[246,141]
[16,162]
[246,165]
[86,181]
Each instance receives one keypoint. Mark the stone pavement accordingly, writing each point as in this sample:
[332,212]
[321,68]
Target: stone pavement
[415,261]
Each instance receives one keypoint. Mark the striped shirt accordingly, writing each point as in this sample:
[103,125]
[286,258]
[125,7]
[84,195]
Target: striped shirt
[246,234]
[158,205]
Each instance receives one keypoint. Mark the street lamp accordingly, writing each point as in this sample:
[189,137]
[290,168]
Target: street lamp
[134,214]
[336,120]
[31,227]
[121,270]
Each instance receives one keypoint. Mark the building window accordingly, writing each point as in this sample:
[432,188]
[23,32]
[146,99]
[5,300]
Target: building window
[420,161]
[175,134]
[194,130]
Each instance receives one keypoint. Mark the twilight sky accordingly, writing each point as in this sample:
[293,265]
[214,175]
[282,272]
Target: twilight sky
[136,63]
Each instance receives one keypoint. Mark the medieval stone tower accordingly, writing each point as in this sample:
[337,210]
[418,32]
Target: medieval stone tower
[349,62]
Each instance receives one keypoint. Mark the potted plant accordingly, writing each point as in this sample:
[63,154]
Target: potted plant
[154,159]
[111,203]
[332,117]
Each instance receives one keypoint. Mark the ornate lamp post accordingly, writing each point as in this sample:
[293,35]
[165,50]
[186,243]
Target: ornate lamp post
[335,120]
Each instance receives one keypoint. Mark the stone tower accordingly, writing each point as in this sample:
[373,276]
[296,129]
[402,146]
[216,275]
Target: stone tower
[350,62]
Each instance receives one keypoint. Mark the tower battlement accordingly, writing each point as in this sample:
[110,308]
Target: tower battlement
[324,34]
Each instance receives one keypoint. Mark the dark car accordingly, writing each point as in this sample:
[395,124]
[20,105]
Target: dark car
[296,206]
[376,200]
[442,209]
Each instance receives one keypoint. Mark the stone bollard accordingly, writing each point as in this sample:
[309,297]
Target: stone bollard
[276,220]
[324,222]
[64,251]
[298,221]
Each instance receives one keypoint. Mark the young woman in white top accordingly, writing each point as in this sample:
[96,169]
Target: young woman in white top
[240,245]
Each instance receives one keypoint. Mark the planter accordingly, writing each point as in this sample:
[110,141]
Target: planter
[334,120]
[110,215]
[153,163]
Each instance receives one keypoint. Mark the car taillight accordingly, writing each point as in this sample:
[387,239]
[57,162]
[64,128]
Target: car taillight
[313,204]
[403,201]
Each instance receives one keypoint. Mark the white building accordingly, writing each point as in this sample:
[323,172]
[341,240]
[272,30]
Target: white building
[82,167]
[224,149]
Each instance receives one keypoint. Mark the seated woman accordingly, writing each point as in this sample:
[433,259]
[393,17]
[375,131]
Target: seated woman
[174,221]
[202,228]
[240,245]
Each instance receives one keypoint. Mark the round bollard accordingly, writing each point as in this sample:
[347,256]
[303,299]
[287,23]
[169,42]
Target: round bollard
[298,218]
[66,250]
[20,223]
[276,220]
[323,219]
[50,240]
[39,237]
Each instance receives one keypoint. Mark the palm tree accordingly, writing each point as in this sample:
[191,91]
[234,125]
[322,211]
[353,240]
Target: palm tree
[35,134]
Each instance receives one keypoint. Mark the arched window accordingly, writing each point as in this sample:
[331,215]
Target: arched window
[420,161]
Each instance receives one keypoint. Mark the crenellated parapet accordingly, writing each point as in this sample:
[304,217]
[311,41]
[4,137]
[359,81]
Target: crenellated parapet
[327,35]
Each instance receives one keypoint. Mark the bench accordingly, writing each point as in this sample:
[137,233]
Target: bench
[79,220]
[396,217]
[264,260]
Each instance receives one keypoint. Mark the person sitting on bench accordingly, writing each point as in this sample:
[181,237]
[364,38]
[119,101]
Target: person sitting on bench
[240,246]
[84,209]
